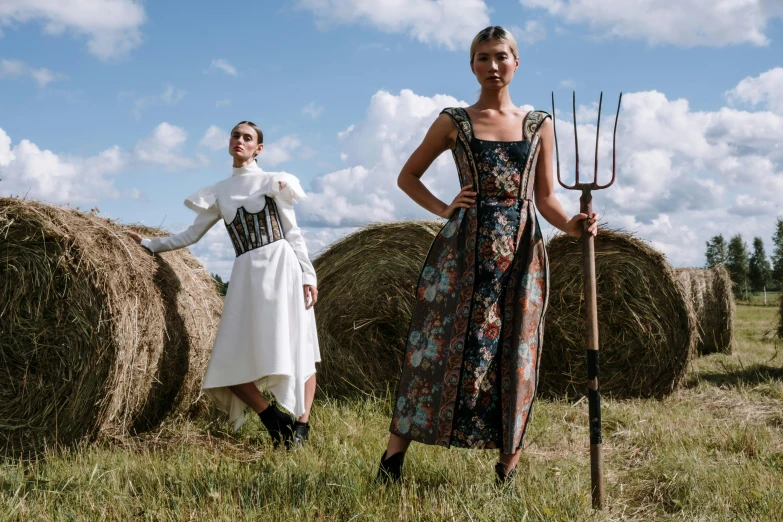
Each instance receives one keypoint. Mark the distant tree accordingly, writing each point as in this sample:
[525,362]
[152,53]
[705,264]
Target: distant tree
[737,263]
[222,287]
[759,271]
[777,254]
[716,251]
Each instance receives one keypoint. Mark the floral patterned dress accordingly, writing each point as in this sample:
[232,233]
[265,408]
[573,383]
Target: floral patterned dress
[470,371]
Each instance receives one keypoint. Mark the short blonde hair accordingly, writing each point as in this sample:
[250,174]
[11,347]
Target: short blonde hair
[494,32]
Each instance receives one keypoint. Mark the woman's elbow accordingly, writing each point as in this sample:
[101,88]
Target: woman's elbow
[543,201]
[401,181]
[405,180]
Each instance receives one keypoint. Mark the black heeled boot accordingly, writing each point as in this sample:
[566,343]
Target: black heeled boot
[279,424]
[502,477]
[390,469]
[301,434]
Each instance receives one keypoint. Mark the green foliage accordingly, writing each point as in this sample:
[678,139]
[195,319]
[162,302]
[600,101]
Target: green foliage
[760,272]
[222,287]
[716,251]
[777,254]
[738,264]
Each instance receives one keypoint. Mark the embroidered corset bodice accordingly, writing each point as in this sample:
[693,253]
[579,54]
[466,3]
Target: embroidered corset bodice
[249,231]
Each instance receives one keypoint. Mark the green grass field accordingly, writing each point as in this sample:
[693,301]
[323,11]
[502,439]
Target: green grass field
[760,299]
[712,451]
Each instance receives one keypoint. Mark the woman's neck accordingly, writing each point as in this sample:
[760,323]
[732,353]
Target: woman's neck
[494,99]
[238,164]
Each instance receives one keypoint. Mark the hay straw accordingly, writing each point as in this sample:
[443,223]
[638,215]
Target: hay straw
[96,335]
[646,326]
[366,284]
[713,303]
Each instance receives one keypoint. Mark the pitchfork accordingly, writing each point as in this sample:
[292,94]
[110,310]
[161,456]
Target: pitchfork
[588,271]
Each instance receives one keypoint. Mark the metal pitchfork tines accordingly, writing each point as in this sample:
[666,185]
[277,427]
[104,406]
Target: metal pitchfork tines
[591,309]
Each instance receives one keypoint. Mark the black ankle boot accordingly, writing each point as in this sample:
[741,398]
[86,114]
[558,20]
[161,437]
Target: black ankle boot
[301,434]
[391,468]
[278,424]
[502,477]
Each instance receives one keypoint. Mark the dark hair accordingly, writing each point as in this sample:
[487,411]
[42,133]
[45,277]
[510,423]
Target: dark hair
[259,134]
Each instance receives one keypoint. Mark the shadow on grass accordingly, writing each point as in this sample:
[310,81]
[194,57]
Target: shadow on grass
[738,376]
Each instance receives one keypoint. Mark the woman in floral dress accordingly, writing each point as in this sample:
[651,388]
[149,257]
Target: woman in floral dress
[470,371]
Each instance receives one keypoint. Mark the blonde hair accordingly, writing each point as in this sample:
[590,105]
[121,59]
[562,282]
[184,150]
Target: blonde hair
[494,32]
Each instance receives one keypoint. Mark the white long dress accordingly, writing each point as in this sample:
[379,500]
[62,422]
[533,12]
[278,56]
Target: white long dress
[265,334]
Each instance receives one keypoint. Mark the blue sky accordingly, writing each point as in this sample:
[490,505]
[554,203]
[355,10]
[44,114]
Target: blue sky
[123,104]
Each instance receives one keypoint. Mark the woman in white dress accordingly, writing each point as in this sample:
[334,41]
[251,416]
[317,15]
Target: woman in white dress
[267,336]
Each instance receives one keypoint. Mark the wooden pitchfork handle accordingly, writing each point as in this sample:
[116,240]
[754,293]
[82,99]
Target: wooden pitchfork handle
[591,306]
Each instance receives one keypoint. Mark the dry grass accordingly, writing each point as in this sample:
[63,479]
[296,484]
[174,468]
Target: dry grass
[711,451]
[713,303]
[367,282]
[96,334]
[647,331]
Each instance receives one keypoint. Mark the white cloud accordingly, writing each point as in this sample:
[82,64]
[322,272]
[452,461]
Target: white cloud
[684,23]
[16,68]
[222,65]
[111,26]
[279,151]
[170,96]
[312,110]
[222,103]
[138,195]
[164,147]
[450,24]
[765,89]
[533,31]
[682,175]
[214,139]
[6,154]
[214,250]
[27,170]
[699,169]
[374,150]
[568,84]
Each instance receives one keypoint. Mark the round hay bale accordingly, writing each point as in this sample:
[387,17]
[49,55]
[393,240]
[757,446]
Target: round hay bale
[780,318]
[713,304]
[646,326]
[367,282]
[96,334]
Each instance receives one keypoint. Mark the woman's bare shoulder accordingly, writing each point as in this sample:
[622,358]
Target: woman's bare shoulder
[444,130]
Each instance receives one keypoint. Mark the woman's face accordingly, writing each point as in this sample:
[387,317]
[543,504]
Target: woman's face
[243,143]
[494,64]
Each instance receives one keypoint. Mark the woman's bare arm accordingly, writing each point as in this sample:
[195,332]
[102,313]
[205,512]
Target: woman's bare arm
[544,189]
[440,137]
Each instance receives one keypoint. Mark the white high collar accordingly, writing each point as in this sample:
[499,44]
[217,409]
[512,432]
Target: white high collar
[250,168]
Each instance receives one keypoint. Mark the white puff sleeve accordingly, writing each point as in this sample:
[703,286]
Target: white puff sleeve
[204,203]
[286,189]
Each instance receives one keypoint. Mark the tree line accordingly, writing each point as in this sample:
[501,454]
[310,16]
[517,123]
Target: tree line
[750,272]
[222,287]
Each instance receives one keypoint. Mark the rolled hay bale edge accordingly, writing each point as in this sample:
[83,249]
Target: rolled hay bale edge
[647,328]
[367,283]
[97,335]
[780,318]
[710,292]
